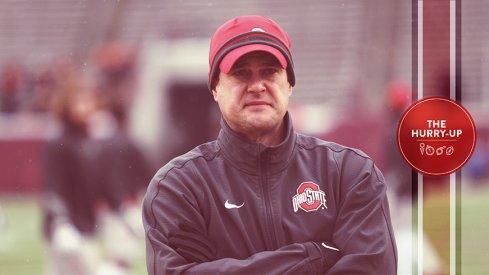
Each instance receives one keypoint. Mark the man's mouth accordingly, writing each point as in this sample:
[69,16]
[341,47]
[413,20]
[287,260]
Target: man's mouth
[257,103]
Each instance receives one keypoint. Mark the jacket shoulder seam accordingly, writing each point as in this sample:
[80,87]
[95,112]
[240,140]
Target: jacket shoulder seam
[172,168]
[341,148]
[329,147]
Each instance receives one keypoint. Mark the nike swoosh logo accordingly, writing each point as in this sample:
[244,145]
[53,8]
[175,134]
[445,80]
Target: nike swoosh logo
[229,205]
[329,247]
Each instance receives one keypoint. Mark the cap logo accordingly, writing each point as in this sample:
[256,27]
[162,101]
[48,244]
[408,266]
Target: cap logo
[257,30]
[309,198]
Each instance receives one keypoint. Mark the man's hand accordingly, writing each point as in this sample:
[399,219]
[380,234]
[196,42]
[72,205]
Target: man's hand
[330,254]
[66,238]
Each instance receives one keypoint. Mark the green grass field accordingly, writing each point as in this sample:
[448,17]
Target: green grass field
[475,228]
[21,244]
[21,249]
[474,250]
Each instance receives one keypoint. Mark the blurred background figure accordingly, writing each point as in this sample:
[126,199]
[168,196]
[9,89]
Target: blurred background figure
[70,194]
[398,174]
[10,88]
[95,175]
[397,171]
[121,168]
[3,221]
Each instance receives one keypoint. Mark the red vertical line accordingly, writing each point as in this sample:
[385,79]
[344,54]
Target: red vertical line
[436,48]
[436,82]
[414,50]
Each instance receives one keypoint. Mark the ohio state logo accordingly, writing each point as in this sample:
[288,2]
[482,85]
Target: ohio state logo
[309,197]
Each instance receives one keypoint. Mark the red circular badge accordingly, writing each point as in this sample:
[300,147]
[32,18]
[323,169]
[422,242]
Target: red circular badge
[436,136]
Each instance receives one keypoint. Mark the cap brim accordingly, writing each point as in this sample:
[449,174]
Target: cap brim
[231,57]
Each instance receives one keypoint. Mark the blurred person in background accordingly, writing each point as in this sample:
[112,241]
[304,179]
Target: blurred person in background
[398,172]
[122,169]
[3,220]
[262,198]
[10,88]
[122,173]
[401,192]
[69,193]
[41,89]
[95,176]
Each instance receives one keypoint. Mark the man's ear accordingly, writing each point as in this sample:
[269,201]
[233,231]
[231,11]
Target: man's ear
[214,93]
[290,90]
[215,88]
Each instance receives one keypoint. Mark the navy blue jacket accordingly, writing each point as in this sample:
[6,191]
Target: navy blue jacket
[242,207]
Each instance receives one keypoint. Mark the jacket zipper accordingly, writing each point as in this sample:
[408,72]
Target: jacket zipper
[268,204]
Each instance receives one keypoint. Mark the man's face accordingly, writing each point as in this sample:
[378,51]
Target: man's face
[254,95]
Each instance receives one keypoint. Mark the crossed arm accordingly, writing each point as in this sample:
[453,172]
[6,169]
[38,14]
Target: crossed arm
[177,241]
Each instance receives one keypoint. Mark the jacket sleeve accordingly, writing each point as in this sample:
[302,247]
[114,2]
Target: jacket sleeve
[54,208]
[363,230]
[167,206]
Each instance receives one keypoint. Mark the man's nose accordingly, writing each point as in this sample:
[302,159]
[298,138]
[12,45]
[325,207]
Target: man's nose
[256,84]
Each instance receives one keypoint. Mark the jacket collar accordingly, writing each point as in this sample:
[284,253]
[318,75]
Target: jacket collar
[253,157]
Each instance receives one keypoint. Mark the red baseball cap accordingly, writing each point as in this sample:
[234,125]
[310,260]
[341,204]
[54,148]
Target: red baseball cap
[246,34]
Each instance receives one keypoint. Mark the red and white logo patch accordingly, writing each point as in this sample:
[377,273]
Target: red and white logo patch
[309,197]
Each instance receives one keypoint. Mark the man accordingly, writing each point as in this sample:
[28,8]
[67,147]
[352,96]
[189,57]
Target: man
[263,198]
[69,200]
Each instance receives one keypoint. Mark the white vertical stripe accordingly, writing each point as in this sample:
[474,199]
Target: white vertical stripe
[453,247]
[420,225]
[453,189]
[420,176]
